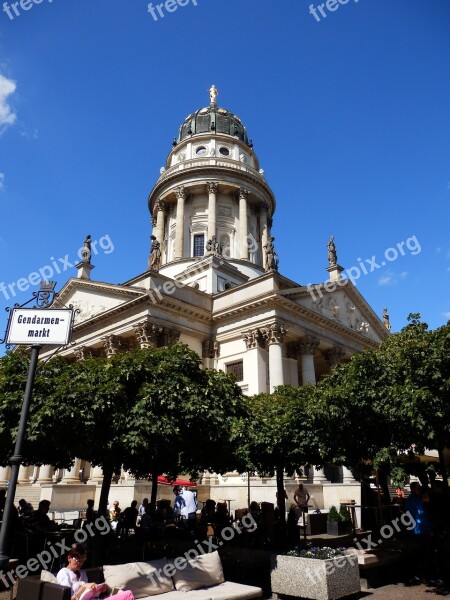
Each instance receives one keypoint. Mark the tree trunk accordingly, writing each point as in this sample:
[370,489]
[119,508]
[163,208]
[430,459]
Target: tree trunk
[281,500]
[383,484]
[108,473]
[443,467]
[154,490]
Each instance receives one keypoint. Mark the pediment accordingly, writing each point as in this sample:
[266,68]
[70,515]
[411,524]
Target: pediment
[92,298]
[343,305]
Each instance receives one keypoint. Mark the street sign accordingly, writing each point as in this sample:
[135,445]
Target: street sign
[42,326]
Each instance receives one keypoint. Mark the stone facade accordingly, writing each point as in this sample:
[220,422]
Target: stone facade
[211,211]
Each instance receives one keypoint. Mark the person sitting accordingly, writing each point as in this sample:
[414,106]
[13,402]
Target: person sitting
[114,515]
[128,520]
[208,518]
[142,510]
[76,579]
[39,521]
[91,514]
[25,508]
[222,517]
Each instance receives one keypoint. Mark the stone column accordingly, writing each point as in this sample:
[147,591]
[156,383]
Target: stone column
[263,227]
[243,224]
[347,475]
[319,476]
[255,361]
[160,218]
[96,475]
[179,231]
[24,475]
[308,347]
[5,474]
[212,187]
[72,476]
[274,335]
[46,474]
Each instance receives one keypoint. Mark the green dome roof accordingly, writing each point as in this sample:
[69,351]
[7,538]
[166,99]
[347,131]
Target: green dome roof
[216,120]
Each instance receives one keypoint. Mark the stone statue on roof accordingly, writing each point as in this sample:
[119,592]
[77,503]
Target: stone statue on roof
[213,93]
[332,256]
[86,250]
[386,320]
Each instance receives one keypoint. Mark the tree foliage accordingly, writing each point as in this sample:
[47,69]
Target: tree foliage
[390,401]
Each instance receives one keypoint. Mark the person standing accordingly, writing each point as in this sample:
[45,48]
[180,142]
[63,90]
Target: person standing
[301,497]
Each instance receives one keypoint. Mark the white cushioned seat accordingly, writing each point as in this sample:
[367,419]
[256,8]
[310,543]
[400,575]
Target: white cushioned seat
[201,572]
[144,579]
[229,590]
[193,595]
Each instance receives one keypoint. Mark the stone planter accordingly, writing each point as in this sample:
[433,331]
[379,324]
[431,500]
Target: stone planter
[313,578]
[337,528]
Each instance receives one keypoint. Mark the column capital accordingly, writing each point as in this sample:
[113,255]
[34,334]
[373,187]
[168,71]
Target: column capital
[333,355]
[147,334]
[210,349]
[111,344]
[182,192]
[264,206]
[274,334]
[212,187]
[243,193]
[82,352]
[160,205]
[253,338]
[308,345]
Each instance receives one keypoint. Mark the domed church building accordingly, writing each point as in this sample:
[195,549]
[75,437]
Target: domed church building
[213,283]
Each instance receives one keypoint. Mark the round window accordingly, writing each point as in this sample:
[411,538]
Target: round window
[201,151]
[224,151]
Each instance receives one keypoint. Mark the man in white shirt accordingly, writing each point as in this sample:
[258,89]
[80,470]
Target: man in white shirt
[185,506]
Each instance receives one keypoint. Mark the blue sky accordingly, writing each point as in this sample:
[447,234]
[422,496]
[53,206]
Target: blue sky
[349,114]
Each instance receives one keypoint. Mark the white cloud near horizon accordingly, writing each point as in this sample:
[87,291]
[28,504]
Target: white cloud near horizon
[7,114]
[2,181]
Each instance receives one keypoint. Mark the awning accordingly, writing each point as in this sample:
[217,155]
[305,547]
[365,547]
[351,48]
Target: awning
[164,480]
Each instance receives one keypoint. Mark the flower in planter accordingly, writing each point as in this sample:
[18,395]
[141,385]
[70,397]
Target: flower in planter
[307,550]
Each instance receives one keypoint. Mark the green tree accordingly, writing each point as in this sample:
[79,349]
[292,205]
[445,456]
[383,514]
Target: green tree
[280,435]
[377,406]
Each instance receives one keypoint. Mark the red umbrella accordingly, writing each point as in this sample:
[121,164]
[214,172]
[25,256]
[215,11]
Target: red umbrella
[164,480]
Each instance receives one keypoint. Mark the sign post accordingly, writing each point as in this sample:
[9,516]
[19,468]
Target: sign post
[33,327]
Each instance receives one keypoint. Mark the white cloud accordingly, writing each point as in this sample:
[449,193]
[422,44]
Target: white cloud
[446,315]
[7,115]
[392,278]
[385,280]
[2,181]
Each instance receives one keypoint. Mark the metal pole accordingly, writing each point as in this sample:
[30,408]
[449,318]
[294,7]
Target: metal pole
[16,460]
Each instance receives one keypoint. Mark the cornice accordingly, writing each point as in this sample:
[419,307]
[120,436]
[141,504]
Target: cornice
[274,301]
[207,172]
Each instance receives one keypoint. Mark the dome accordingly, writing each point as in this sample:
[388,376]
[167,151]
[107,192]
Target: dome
[216,120]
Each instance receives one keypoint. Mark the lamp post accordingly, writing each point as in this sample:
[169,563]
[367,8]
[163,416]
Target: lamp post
[18,331]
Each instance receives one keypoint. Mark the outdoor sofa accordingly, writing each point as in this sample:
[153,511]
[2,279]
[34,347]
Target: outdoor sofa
[198,579]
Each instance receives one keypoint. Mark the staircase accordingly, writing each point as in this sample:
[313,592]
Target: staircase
[30,493]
